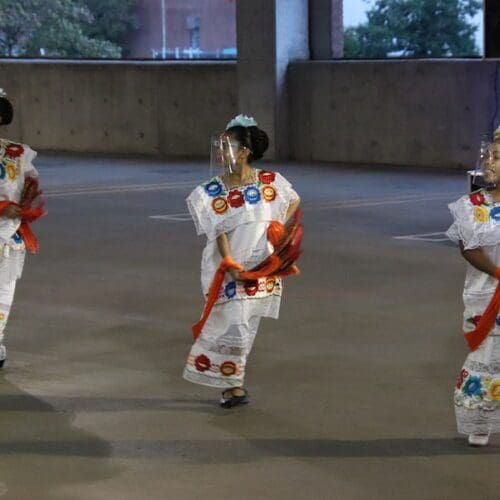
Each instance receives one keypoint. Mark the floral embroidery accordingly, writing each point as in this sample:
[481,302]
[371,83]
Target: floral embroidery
[474,319]
[213,188]
[269,193]
[270,283]
[202,363]
[495,214]
[230,290]
[17,238]
[463,375]
[267,177]
[494,391]
[228,368]
[473,386]
[14,150]
[2,316]
[236,198]
[251,287]
[220,205]
[481,214]
[11,170]
[252,195]
[477,199]
[3,172]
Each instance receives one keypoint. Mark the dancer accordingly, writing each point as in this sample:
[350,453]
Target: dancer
[18,192]
[242,212]
[476,229]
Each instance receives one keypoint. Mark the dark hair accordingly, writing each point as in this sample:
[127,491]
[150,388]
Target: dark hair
[6,111]
[253,138]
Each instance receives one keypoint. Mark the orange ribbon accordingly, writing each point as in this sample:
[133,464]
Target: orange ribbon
[279,264]
[28,213]
[487,322]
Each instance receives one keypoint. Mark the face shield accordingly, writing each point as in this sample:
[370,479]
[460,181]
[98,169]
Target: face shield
[223,155]
[481,175]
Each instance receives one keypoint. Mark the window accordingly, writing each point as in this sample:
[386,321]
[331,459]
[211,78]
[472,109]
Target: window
[380,29]
[118,29]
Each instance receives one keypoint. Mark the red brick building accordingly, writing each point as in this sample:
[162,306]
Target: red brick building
[184,28]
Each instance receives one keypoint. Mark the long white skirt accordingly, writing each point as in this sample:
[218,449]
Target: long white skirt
[219,356]
[477,393]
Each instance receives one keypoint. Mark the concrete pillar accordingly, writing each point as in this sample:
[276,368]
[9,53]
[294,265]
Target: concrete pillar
[271,33]
[326,26]
[492,28]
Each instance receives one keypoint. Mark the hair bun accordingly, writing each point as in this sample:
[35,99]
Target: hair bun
[260,142]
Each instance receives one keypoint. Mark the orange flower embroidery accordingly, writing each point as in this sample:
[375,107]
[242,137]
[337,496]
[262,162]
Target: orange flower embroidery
[269,193]
[220,205]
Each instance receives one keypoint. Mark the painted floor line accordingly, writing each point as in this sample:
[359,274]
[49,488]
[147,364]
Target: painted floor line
[182,217]
[119,189]
[432,237]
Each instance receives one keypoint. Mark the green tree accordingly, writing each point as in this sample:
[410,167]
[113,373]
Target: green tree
[415,28]
[61,28]
[113,19]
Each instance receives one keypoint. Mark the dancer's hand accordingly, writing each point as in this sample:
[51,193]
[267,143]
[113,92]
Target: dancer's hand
[11,212]
[235,274]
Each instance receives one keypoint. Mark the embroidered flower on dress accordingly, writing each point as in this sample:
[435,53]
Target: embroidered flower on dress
[228,368]
[463,375]
[481,214]
[17,238]
[270,283]
[495,214]
[220,205]
[252,195]
[476,319]
[266,176]
[236,198]
[494,391]
[202,363]
[213,188]
[11,170]
[230,290]
[269,193]
[14,150]
[3,172]
[251,287]
[2,316]
[473,386]
[477,199]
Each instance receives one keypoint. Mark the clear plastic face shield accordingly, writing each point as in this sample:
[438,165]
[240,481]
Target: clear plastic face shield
[480,178]
[491,165]
[223,154]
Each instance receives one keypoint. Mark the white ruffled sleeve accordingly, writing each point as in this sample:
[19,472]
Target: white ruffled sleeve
[471,232]
[199,211]
[285,188]
[27,159]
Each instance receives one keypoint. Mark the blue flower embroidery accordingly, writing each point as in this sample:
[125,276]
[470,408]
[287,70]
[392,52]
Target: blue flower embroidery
[473,386]
[495,214]
[213,188]
[230,290]
[17,238]
[3,172]
[498,320]
[252,195]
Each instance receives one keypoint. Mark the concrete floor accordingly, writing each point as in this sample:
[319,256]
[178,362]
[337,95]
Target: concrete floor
[352,387]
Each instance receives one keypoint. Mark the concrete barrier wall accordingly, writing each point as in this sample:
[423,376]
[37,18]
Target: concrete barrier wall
[429,113]
[151,108]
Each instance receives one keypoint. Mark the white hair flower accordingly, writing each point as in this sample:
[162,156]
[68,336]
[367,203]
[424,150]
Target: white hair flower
[242,121]
[3,93]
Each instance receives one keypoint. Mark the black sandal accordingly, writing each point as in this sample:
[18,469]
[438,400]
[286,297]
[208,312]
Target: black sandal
[232,401]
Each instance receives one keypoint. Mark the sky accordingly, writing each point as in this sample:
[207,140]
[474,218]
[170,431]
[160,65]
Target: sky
[354,14]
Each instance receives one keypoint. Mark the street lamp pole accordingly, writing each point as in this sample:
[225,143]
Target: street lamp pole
[164,29]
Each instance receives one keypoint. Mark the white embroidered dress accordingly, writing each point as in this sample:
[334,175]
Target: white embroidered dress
[16,164]
[477,393]
[218,357]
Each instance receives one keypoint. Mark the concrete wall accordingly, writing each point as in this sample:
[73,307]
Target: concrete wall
[429,113]
[152,108]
